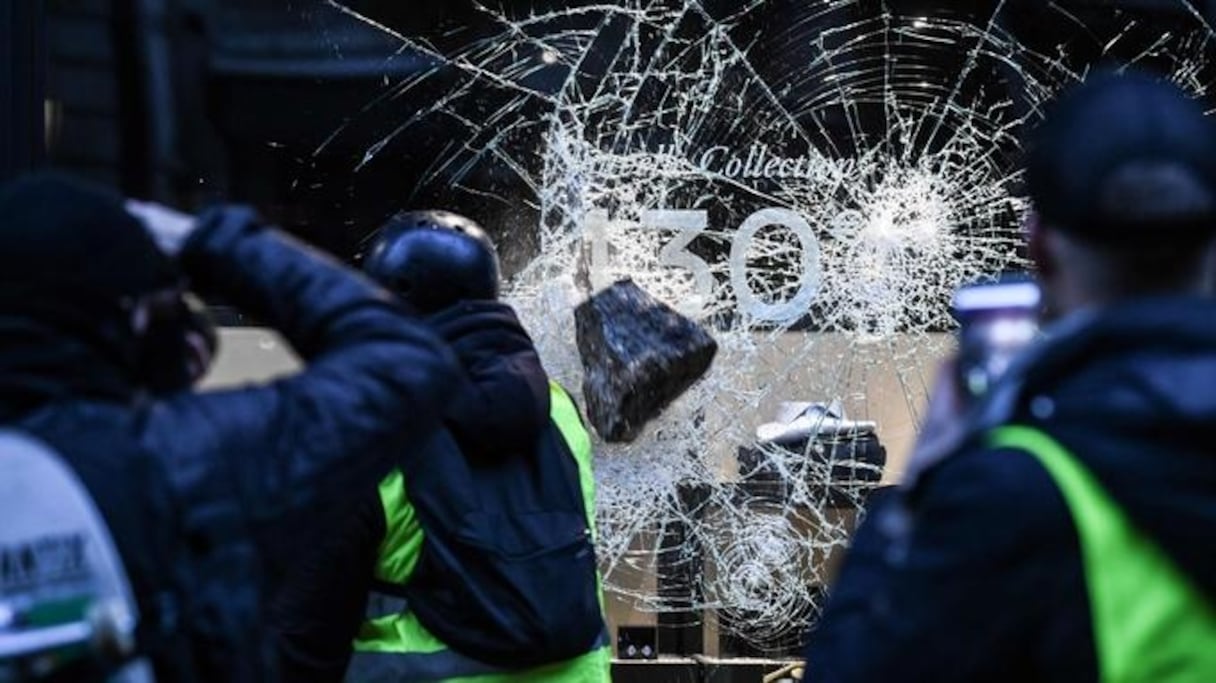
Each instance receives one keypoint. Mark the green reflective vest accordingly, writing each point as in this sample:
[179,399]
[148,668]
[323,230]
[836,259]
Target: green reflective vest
[397,647]
[1150,623]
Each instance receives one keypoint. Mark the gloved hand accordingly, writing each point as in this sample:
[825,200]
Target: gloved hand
[168,227]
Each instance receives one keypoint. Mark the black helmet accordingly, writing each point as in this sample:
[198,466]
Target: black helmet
[433,259]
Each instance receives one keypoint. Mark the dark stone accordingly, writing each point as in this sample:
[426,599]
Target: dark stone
[638,356]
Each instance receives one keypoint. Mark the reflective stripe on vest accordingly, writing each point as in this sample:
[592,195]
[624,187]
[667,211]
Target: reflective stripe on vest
[1149,621]
[392,645]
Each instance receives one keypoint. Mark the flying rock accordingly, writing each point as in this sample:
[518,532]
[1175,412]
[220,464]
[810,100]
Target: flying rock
[638,356]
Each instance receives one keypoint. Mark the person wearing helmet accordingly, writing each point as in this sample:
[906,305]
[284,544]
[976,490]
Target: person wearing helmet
[475,559]
[99,352]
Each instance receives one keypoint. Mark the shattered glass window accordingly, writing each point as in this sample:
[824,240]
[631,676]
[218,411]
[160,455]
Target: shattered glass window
[812,179]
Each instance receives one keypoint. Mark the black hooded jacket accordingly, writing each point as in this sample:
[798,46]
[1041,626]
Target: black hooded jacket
[186,480]
[505,403]
[974,573]
[501,405]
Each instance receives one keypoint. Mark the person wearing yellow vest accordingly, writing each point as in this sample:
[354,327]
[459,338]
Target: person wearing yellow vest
[1059,528]
[474,560]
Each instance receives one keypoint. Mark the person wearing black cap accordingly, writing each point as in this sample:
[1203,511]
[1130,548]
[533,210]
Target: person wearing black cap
[1059,527]
[98,352]
[474,561]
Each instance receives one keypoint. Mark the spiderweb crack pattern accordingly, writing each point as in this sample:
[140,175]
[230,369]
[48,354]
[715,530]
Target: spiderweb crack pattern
[892,137]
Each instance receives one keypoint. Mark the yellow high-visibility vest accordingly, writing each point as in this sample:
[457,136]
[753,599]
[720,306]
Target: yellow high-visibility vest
[1150,623]
[397,647]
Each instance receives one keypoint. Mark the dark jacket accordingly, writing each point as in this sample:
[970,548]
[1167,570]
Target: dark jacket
[208,470]
[502,404]
[974,573]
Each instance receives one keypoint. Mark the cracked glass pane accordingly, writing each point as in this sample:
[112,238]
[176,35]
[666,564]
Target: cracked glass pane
[810,178]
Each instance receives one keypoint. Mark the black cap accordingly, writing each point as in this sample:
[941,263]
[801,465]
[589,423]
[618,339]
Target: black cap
[64,239]
[1125,157]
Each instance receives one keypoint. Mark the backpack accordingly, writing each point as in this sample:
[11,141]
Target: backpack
[67,610]
[507,571]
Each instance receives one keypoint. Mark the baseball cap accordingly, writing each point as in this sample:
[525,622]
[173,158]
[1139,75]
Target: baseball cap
[1122,157]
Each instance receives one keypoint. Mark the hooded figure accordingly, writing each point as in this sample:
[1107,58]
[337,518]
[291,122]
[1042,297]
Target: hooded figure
[474,560]
[98,351]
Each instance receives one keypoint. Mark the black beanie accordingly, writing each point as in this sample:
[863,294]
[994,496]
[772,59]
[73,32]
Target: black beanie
[1104,126]
[65,240]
